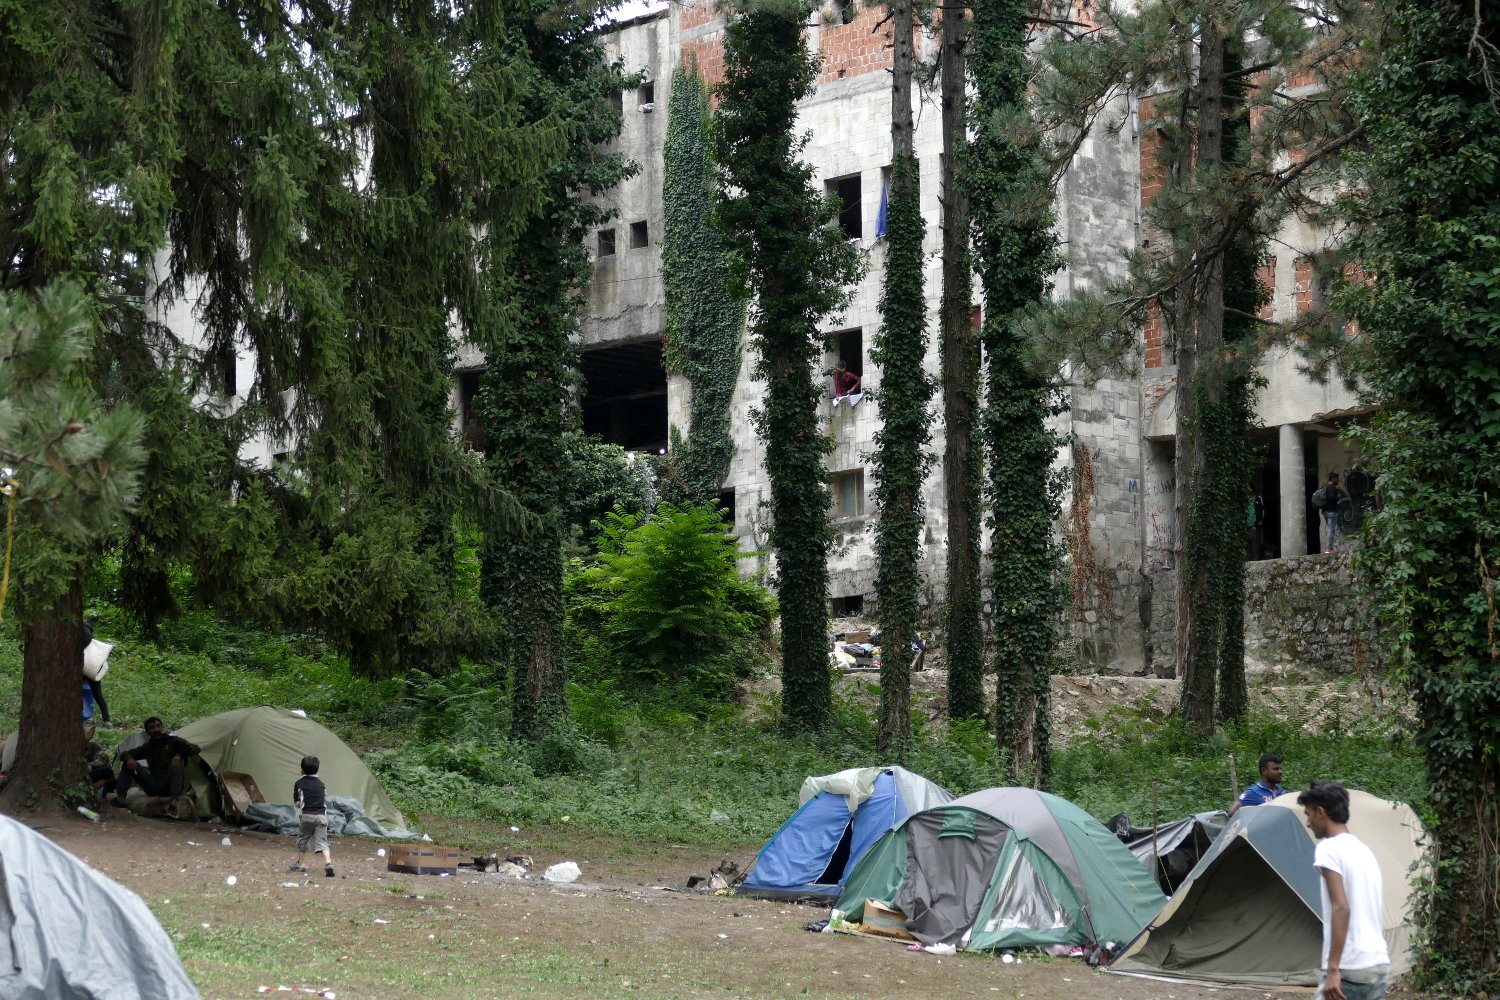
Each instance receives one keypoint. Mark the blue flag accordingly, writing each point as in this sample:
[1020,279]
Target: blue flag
[880,216]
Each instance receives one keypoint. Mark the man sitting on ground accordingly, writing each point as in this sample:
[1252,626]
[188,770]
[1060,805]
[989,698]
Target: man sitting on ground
[1264,790]
[165,759]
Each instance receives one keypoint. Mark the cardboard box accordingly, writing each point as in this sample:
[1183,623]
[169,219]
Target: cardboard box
[884,921]
[239,791]
[425,859]
[862,635]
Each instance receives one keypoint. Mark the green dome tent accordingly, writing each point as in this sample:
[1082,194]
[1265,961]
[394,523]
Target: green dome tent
[268,744]
[1006,868]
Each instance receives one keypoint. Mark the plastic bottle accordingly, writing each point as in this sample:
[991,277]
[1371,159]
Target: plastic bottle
[88,814]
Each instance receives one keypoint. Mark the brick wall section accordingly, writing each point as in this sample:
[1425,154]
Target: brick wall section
[854,49]
[1153,171]
[1267,277]
[708,51]
[1302,274]
[698,14]
[1152,332]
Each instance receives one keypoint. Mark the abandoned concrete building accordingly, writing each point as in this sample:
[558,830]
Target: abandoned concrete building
[1121,428]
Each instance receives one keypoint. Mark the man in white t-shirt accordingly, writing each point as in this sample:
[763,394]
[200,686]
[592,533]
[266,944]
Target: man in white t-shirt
[1356,964]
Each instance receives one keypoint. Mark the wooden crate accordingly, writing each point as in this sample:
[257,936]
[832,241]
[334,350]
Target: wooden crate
[239,791]
[425,859]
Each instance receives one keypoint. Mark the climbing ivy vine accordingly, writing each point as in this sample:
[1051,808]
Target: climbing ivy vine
[705,312]
[1015,253]
[1430,323]
[797,266]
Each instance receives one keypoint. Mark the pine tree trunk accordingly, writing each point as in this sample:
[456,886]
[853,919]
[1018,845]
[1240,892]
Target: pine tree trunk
[1199,619]
[50,737]
[963,464]
[900,349]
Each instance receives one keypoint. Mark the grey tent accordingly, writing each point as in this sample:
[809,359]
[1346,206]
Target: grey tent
[69,933]
[1251,913]
[1172,849]
[1248,913]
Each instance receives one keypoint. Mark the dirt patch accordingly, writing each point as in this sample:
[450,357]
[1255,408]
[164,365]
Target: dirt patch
[617,932]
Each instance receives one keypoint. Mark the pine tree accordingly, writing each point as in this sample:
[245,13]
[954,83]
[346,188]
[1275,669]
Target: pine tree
[1225,189]
[796,265]
[1430,332]
[901,460]
[73,471]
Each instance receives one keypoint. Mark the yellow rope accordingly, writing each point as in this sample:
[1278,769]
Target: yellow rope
[9,488]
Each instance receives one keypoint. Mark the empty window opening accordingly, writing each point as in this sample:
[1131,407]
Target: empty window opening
[845,192]
[625,395]
[848,605]
[849,494]
[231,375]
[471,427]
[726,506]
[834,873]
[606,242]
[639,236]
[617,101]
[647,97]
[847,11]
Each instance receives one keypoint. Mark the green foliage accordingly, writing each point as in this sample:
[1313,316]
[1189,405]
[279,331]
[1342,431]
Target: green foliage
[74,465]
[1111,770]
[665,606]
[1015,254]
[797,266]
[1432,363]
[602,477]
[705,312]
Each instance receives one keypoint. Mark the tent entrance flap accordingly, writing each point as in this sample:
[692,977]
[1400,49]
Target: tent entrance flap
[834,873]
[947,877]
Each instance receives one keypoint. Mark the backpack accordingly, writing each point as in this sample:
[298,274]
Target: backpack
[1326,497]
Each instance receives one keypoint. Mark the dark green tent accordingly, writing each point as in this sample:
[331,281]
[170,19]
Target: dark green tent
[1006,868]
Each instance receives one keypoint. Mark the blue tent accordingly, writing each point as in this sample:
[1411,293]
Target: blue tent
[841,816]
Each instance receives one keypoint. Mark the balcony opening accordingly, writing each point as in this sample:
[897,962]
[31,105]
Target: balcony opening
[625,395]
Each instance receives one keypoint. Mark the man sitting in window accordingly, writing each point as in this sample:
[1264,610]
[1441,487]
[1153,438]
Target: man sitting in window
[846,385]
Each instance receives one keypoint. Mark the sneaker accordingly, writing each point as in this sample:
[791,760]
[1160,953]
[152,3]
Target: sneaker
[294,867]
[172,810]
[328,871]
[118,802]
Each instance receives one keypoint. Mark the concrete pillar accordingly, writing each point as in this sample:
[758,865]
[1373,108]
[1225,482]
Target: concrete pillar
[1293,485]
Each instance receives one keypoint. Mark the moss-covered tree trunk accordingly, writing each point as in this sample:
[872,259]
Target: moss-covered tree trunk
[963,455]
[1199,394]
[797,267]
[1015,253]
[901,460]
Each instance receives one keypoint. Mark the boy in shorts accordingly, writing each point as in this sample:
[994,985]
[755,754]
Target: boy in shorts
[310,796]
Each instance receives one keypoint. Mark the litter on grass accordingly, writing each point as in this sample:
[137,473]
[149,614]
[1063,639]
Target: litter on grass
[563,871]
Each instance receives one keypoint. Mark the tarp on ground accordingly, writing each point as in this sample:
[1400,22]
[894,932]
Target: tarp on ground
[67,930]
[1250,912]
[268,744]
[1006,868]
[841,815]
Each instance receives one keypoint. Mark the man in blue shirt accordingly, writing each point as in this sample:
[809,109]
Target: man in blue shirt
[1264,790]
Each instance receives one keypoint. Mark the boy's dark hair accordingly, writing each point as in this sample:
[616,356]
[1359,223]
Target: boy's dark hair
[147,723]
[1269,758]
[309,765]
[1330,796]
[1333,477]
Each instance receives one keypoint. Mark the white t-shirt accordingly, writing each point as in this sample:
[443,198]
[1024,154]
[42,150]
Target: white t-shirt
[1364,946]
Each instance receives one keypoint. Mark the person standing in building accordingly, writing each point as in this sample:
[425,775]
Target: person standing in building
[1356,963]
[1327,499]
